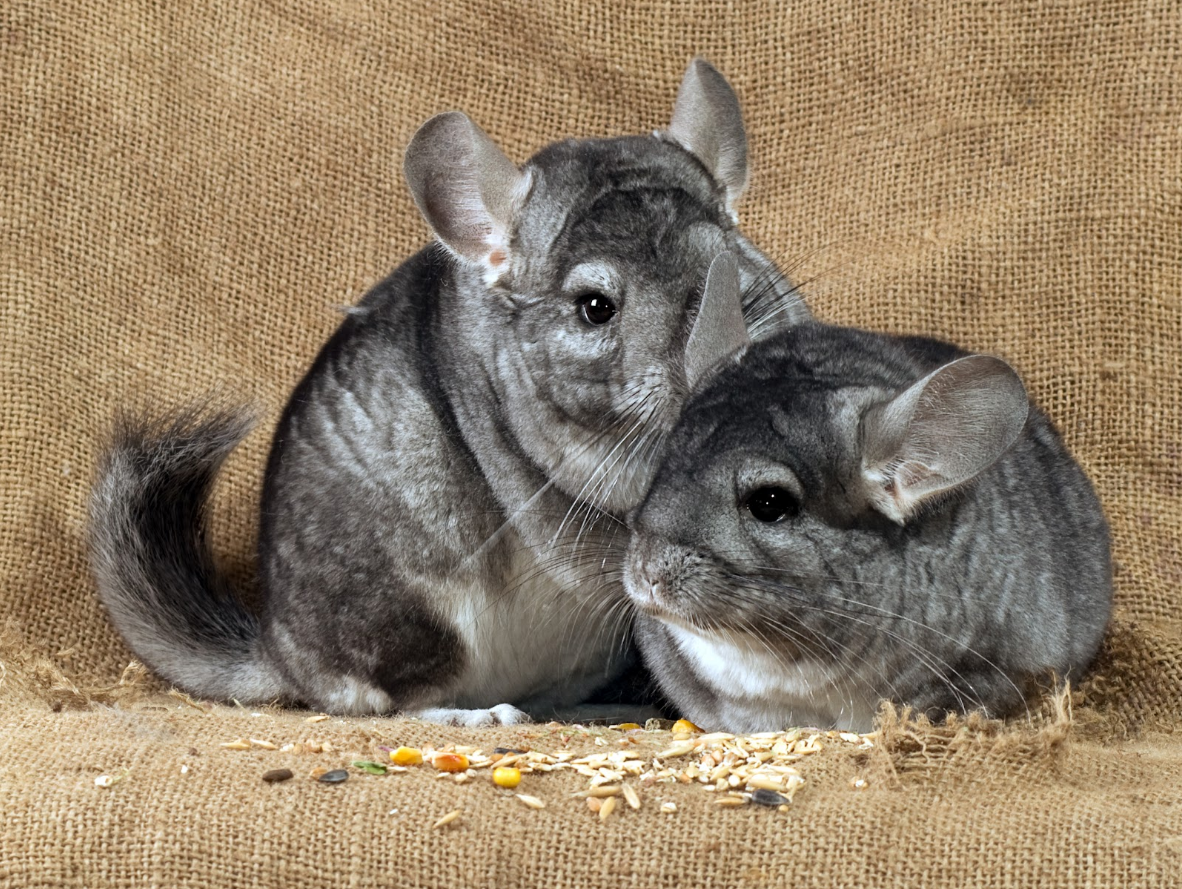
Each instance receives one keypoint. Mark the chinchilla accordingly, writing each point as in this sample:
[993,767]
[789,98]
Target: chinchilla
[446,484]
[844,516]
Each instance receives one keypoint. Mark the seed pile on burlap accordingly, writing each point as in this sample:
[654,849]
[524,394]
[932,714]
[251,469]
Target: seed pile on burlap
[738,768]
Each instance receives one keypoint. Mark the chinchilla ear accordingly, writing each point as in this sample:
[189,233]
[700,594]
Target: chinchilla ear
[708,123]
[465,187]
[940,433]
[719,329]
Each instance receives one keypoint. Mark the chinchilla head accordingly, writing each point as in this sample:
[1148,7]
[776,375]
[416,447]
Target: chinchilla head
[801,506]
[582,273]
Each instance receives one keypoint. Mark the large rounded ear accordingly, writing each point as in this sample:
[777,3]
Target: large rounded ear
[708,123]
[465,187]
[719,329]
[940,433]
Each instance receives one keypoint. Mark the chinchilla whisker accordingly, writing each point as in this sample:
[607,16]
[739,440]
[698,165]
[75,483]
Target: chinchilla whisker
[601,615]
[496,536]
[602,482]
[804,640]
[922,654]
[925,657]
[583,619]
[812,646]
[817,576]
[539,570]
[833,578]
[634,452]
[613,470]
[593,481]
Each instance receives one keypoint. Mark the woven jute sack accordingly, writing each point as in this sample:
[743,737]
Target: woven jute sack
[189,190]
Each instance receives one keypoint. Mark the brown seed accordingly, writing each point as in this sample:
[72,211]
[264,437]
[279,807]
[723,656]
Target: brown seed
[600,791]
[631,796]
[764,782]
[276,775]
[594,803]
[605,810]
[676,750]
[730,801]
[447,819]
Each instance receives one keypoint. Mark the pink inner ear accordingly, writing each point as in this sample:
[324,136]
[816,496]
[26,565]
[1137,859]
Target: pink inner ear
[496,258]
[912,473]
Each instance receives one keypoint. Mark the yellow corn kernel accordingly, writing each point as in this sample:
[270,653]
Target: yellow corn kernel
[506,777]
[406,756]
[684,725]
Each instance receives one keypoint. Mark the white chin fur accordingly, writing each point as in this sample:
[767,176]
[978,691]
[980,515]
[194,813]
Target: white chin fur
[767,693]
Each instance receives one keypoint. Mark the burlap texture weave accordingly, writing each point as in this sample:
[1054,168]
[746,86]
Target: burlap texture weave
[188,189]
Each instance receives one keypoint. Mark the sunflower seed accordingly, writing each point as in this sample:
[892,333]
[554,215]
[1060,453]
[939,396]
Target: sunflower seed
[768,798]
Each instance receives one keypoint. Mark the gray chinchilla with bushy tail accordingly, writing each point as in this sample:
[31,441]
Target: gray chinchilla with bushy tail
[441,527]
[845,516]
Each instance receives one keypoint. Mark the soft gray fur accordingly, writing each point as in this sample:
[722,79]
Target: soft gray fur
[936,544]
[441,526]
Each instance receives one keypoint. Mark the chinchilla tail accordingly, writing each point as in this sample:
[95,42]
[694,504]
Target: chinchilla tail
[155,572]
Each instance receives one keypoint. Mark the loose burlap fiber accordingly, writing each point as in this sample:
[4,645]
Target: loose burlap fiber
[187,190]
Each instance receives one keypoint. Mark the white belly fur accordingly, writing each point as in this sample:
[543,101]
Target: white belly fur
[532,634]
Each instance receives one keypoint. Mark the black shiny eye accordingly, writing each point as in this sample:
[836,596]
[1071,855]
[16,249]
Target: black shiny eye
[771,504]
[595,308]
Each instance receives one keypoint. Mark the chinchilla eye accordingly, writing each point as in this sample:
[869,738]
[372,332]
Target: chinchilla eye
[595,308]
[771,504]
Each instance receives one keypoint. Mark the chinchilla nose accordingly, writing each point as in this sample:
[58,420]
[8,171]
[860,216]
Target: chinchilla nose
[639,581]
[655,589]
[648,589]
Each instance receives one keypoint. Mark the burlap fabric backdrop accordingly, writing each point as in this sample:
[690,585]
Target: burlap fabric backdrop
[187,191]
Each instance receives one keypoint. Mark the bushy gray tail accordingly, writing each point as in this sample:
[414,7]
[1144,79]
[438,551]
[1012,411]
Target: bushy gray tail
[154,569]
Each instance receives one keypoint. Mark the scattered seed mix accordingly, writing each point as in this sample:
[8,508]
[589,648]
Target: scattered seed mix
[737,769]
